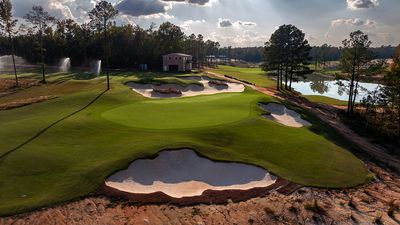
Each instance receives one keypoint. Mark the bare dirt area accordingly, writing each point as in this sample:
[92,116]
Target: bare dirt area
[24,102]
[374,203]
[8,85]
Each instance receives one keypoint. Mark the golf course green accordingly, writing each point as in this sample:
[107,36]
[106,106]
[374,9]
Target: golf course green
[64,148]
[202,111]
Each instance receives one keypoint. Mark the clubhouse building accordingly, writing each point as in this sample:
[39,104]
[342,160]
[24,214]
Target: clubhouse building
[177,62]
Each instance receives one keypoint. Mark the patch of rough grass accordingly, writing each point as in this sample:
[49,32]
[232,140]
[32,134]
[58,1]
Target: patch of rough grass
[9,84]
[25,102]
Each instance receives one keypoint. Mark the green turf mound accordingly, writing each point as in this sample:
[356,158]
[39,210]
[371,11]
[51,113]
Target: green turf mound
[183,113]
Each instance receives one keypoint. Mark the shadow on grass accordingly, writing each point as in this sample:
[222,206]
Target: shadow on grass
[51,125]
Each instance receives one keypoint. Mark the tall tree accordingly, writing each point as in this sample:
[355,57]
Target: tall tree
[392,88]
[7,25]
[355,60]
[41,21]
[100,16]
[287,51]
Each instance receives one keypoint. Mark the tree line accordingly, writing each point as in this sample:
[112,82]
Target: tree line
[320,55]
[44,39]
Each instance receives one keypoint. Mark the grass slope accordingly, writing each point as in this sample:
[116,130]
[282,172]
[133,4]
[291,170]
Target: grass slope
[252,75]
[325,100]
[73,157]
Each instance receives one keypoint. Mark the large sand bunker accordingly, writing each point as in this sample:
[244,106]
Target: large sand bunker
[283,115]
[183,173]
[208,87]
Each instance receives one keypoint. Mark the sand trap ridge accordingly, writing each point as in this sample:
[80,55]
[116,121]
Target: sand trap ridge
[283,115]
[147,90]
[183,173]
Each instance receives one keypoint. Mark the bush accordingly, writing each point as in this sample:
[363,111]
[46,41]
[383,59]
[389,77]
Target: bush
[392,208]
[167,91]
[314,207]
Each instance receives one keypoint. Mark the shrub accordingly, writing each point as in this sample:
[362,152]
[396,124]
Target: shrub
[269,211]
[196,211]
[293,209]
[167,91]
[378,219]
[352,204]
[314,207]
[217,82]
[392,208]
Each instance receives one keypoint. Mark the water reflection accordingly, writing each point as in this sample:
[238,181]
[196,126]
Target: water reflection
[321,85]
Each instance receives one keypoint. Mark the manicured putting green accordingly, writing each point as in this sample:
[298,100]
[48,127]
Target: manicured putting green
[183,113]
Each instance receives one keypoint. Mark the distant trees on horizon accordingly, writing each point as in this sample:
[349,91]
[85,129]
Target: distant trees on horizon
[45,40]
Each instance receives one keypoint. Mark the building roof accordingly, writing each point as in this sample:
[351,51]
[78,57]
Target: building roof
[177,54]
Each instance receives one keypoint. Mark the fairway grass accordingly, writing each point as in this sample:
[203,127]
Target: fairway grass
[252,75]
[73,157]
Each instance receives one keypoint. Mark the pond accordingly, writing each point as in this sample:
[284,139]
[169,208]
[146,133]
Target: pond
[326,86]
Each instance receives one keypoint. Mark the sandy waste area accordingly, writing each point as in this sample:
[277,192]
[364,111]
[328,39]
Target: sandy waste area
[147,90]
[283,115]
[183,173]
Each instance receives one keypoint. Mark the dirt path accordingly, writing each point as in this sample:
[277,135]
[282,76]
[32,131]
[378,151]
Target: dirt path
[329,115]
[373,203]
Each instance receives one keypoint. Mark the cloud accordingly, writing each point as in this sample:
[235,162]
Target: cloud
[353,22]
[187,25]
[246,24]
[223,23]
[362,4]
[141,7]
[242,39]
[62,9]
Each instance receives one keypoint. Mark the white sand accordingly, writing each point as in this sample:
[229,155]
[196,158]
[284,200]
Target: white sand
[183,173]
[192,90]
[283,115]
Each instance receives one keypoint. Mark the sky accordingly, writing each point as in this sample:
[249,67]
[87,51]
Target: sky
[246,23]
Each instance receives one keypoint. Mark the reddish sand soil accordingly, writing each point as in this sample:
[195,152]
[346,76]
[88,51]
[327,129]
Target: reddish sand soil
[208,197]
[24,102]
[7,85]
[368,204]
